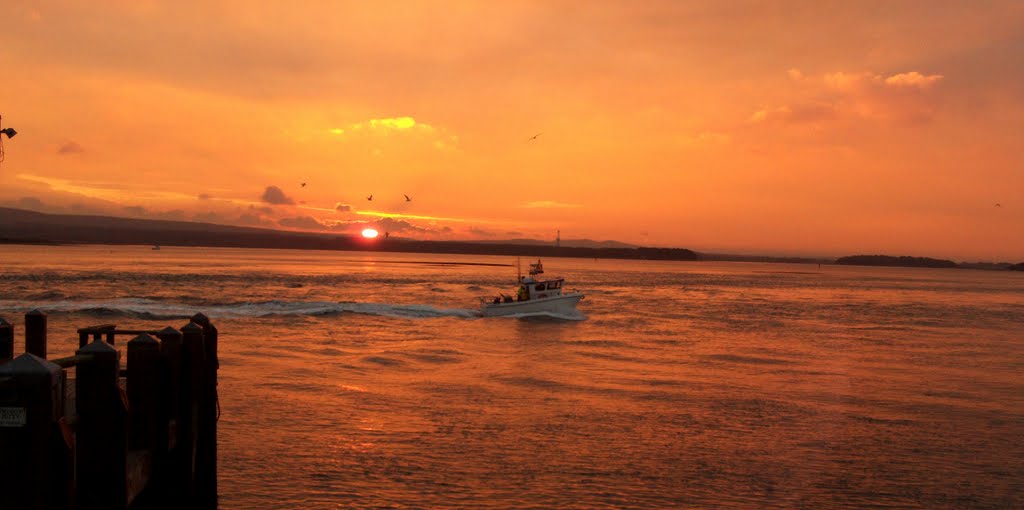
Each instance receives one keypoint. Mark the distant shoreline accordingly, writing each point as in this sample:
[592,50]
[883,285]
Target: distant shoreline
[31,228]
[532,251]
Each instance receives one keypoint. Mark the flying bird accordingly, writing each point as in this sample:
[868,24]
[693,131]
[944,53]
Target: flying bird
[370,198]
[999,205]
[534,137]
[303,185]
[407,199]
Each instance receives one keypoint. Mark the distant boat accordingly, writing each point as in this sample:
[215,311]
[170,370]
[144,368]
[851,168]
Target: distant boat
[156,246]
[533,296]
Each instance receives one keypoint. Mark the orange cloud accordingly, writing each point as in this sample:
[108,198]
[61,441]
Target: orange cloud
[435,136]
[913,79]
[858,95]
[802,113]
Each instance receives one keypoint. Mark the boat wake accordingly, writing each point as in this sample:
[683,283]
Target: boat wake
[575,315]
[147,309]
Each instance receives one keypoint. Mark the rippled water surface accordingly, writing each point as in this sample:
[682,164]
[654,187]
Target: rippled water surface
[369,380]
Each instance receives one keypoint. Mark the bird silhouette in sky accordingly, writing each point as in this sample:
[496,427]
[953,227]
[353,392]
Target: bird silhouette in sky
[303,185]
[370,198]
[999,205]
[534,137]
[407,199]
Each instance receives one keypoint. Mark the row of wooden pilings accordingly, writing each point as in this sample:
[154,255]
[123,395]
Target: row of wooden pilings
[140,437]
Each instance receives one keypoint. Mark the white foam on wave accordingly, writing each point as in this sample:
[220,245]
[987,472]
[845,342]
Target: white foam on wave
[151,309]
[577,316]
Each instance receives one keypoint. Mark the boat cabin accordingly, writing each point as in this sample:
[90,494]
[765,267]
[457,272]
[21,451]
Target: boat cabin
[533,289]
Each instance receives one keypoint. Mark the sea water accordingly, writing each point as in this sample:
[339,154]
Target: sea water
[370,380]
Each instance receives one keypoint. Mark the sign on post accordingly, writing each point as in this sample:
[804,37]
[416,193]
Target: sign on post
[13,417]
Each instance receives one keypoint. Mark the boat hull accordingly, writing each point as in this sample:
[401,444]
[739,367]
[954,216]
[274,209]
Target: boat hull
[563,304]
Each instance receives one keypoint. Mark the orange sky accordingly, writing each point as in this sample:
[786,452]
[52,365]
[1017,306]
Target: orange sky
[819,128]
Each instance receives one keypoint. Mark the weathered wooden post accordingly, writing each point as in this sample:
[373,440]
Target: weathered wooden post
[170,351]
[35,333]
[101,440]
[6,340]
[206,450]
[167,438]
[33,470]
[143,392]
[193,376]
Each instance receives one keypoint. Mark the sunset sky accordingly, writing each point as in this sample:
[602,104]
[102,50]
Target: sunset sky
[816,128]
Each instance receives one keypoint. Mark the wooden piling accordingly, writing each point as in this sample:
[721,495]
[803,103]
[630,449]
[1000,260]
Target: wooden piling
[170,352]
[35,333]
[193,376]
[168,435]
[143,392]
[31,474]
[102,445]
[206,448]
[152,445]
[6,340]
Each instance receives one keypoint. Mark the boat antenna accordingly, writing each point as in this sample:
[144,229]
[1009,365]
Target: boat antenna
[519,271]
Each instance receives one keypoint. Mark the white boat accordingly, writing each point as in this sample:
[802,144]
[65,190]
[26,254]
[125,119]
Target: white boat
[533,297]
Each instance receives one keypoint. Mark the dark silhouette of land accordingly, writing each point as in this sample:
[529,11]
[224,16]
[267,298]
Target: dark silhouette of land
[32,227]
[887,260]
[18,226]
[576,243]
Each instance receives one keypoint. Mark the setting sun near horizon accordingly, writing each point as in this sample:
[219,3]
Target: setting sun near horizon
[792,128]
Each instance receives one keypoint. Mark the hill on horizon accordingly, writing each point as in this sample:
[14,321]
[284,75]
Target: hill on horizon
[568,243]
[15,219]
[21,226]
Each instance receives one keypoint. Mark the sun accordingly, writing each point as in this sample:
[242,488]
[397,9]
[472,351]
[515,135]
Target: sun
[370,233]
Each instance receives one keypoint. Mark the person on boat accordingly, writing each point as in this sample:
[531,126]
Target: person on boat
[497,300]
[522,294]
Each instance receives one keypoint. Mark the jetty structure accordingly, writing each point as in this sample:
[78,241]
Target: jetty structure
[102,430]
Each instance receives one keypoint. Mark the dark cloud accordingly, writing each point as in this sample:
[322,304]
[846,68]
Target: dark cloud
[70,147]
[204,196]
[477,231]
[304,222]
[349,226]
[31,203]
[393,225]
[136,210]
[340,207]
[253,220]
[274,195]
[263,209]
[513,233]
